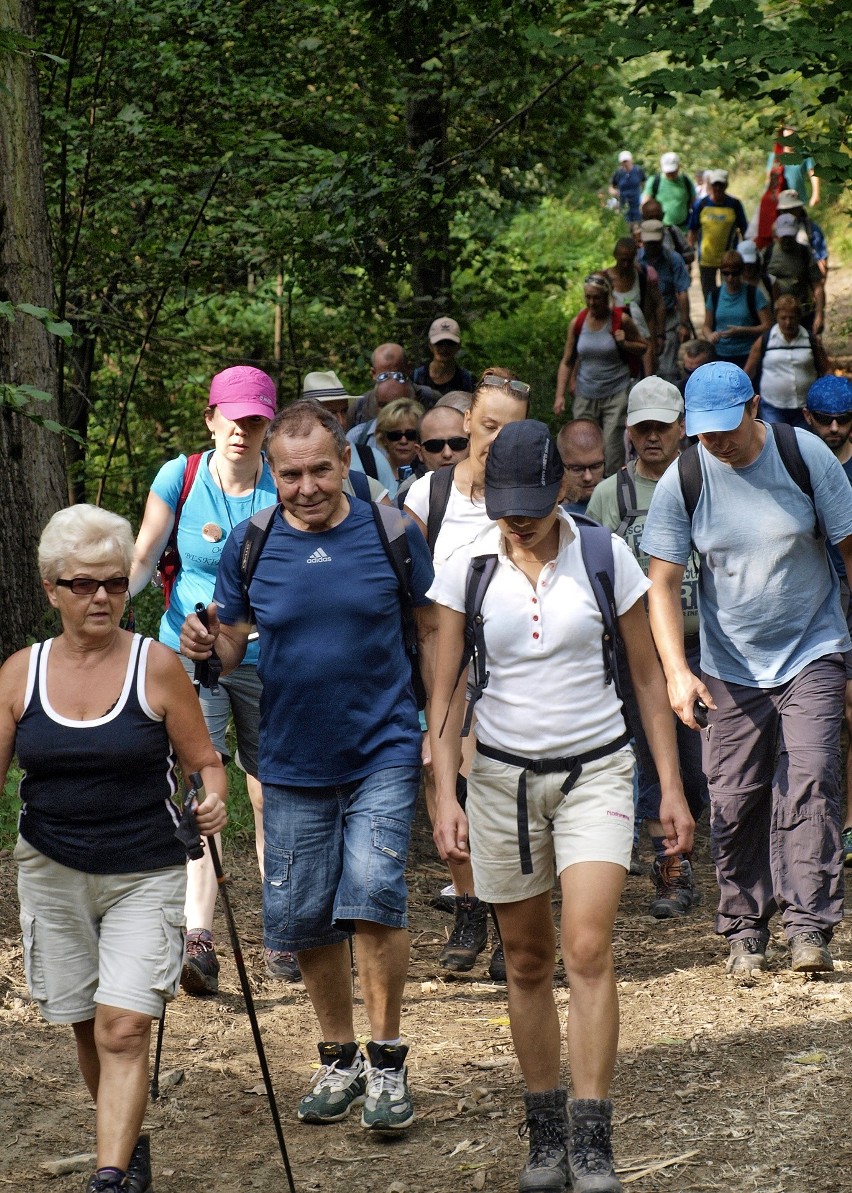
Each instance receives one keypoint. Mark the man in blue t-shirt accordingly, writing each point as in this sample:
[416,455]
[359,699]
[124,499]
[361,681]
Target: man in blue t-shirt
[339,752]
[773,675]
[626,185]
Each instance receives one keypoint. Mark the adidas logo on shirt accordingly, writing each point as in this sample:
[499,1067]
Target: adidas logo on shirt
[319,556]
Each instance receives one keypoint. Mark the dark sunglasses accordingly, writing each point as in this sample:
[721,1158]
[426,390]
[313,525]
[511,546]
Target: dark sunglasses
[825,420]
[83,586]
[519,388]
[730,273]
[395,436]
[456,443]
[390,377]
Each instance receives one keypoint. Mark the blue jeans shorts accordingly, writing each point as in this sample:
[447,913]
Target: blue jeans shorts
[238,697]
[334,855]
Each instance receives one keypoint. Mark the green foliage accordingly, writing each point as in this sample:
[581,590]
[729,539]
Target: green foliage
[10,806]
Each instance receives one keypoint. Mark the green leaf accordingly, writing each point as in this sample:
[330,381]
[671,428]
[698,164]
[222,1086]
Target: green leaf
[39,313]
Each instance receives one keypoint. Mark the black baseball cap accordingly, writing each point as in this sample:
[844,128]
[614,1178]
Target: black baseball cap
[523,472]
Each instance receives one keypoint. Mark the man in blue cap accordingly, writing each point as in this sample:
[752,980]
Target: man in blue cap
[772,642]
[828,413]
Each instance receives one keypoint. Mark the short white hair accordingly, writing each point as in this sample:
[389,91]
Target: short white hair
[84,534]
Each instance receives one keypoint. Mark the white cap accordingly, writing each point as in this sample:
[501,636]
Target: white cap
[625,156]
[669,162]
[747,249]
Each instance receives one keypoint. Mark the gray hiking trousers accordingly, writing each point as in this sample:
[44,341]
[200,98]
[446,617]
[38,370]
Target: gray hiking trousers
[772,760]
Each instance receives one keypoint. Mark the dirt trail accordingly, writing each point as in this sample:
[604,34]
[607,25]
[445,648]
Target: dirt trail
[719,1085]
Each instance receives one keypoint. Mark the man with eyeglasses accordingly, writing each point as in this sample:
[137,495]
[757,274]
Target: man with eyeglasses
[581,445]
[828,413]
[621,502]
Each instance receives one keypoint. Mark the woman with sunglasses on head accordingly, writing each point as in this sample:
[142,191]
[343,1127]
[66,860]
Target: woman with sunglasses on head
[398,438]
[595,365]
[232,482]
[550,791]
[96,716]
[736,313]
[784,363]
[499,398]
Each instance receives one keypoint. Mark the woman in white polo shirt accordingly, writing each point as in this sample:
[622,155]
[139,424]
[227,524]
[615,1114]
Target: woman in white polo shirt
[546,707]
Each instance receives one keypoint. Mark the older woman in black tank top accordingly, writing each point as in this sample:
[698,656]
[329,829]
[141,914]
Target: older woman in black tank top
[98,718]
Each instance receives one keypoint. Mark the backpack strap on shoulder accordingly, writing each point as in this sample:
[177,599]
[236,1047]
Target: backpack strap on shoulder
[625,492]
[596,546]
[691,478]
[391,524]
[257,532]
[439,498]
[787,443]
[368,459]
[360,485]
[479,576]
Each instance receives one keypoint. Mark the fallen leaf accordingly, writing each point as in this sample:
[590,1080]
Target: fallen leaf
[809,1058]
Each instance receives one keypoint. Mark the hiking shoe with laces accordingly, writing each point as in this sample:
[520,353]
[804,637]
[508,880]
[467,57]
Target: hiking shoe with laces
[283,966]
[497,964]
[590,1164]
[747,954]
[675,883]
[138,1179]
[547,1128]
[468,937]
[846,846]
[200,973]
[388,1106]
[106,1180]
[809,953]
[337,1086]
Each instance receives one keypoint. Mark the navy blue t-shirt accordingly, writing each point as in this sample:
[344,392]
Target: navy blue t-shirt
[337,701]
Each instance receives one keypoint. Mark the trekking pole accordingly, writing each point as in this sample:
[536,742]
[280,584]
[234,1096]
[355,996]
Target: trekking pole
[158,1052]
[197,793]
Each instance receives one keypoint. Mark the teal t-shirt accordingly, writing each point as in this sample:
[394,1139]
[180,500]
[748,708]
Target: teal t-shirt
[732,310]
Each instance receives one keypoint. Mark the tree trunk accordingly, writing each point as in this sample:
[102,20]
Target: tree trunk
[32,471]
[429,250]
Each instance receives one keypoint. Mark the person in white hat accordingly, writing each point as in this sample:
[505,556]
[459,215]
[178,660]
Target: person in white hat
[443,373]
[716,223]
[674,189]
[793,271]
[626,186]
[327,389]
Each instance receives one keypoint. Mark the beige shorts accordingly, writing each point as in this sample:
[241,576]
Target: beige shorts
[592,823]
[115,939]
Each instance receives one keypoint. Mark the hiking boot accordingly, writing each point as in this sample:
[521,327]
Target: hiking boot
[747,954]
[547,1128]
[138,1179]
[637,866]
[388,1106]
[200,973]
[106,1180]
[468,937]
[445,900]
[809,953]
[676,892]
[846,846]
[497,964]
[283,966]
[590,1163]
[337,1086]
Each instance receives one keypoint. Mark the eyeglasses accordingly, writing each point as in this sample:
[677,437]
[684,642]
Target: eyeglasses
[825,420]
[730,273]
[84,586]
[456,443]
[519,388]
[391,377]
[579,469]
[395,436]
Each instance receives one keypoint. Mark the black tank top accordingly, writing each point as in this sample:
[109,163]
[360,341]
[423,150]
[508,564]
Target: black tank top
[97,795]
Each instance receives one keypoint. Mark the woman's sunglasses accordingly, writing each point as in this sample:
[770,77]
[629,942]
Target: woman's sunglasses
[396,436]
[83,586]
[519,388]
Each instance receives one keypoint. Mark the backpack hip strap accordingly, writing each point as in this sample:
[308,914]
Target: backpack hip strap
[545,766]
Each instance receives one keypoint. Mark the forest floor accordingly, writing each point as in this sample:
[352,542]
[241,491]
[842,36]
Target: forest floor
[720,1084]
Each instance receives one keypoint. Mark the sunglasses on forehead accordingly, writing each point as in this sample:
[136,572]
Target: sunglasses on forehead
[456,443]
[396,436]
[390,377]
[519,388]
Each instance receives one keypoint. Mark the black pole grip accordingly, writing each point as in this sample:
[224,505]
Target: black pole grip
[207,671]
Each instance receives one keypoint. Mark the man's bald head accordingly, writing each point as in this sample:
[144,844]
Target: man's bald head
[389,358]
[581,446]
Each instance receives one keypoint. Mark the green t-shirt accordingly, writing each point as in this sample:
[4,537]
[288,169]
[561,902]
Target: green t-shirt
[674,196]
[603,507]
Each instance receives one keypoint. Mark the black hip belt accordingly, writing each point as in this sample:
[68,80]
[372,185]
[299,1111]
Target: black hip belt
[546,766]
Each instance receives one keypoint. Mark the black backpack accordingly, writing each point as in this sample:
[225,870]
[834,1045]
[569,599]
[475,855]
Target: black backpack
[596,546]
[390,524]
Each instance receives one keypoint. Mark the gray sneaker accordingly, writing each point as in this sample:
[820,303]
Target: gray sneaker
[747,955]
[809,953]
[388,1107]
[337,1086]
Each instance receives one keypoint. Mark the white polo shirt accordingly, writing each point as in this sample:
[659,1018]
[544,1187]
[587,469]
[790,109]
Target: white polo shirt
[546,695]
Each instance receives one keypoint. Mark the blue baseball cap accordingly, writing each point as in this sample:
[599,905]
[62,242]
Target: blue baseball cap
[523,472]
[716,394]
[830,395]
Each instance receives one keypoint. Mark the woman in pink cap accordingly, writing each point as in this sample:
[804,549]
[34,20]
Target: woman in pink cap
[194,504]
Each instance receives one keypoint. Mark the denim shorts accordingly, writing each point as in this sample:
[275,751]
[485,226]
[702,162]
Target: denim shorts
[238,697]
[99,938]
[335,855]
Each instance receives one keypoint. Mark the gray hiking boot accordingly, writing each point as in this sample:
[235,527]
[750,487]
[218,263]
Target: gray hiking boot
[546,1169]
[676,891]
[747,955]
[809,953]
[590,1164]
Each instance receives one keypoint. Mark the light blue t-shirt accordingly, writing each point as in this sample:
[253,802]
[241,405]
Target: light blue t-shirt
[206,505]
[732,310]
[366,435]
[767,595]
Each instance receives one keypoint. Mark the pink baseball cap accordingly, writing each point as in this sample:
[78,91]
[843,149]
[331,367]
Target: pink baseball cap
[242,392]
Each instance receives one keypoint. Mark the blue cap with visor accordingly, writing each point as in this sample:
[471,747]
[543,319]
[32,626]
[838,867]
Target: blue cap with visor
[715,395]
